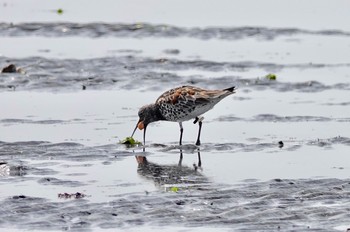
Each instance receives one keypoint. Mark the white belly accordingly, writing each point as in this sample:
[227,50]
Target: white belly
[181,116]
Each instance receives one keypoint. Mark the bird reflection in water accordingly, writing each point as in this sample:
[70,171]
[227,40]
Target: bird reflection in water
[171,174]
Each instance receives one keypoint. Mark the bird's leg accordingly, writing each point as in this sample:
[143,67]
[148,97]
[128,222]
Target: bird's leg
[181,132]
[199,162]
[200,119]
[144,139]
[195,120]
[180,160]
[199,159]
[199,133]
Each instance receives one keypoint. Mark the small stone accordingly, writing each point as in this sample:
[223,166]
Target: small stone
[19,197]
[180,202]
[172,51]
[9,69]
[280,144]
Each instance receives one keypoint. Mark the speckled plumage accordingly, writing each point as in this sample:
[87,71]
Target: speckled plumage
[181,104]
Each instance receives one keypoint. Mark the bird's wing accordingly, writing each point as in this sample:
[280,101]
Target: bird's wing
[185,95]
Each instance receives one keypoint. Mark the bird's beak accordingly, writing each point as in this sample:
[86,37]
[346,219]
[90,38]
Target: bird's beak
[135,128]
[139,125]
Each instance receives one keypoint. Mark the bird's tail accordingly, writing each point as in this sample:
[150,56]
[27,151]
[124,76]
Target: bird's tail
[231,89]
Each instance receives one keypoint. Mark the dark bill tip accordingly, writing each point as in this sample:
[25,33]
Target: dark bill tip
[135,128]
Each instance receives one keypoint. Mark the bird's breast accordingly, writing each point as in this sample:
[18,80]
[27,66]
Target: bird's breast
[180,113]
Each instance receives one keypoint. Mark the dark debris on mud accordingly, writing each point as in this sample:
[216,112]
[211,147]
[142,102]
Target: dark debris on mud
[76,195]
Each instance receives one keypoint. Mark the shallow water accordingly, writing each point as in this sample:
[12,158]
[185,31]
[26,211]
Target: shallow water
[83,79]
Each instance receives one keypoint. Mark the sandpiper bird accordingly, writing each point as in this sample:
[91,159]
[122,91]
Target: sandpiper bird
[181,104]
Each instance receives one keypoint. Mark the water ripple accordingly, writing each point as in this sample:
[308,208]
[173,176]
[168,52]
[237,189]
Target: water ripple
[276,118]
[124,72]
[141,30]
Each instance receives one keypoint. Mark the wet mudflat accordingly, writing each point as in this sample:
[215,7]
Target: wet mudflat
[274,156]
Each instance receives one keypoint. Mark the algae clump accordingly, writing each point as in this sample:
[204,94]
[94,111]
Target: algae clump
[130,141]
[271,77]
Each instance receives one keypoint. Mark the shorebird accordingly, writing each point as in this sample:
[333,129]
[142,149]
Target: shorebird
[181,104]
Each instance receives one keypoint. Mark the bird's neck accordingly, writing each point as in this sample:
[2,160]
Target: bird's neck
[154,113]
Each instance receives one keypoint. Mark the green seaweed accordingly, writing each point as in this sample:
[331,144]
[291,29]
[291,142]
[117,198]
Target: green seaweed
[130,141]
[271,77]
[174,189]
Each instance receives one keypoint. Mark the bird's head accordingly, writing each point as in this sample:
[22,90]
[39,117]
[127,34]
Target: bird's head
[147,114]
